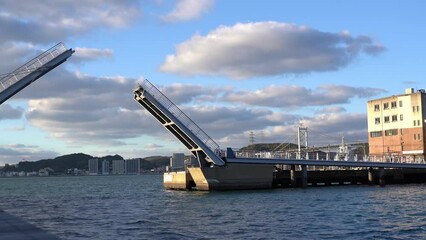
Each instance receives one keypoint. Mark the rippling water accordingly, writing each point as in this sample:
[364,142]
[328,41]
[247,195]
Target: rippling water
[137,207]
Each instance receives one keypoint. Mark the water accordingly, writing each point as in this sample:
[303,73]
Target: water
[137,207]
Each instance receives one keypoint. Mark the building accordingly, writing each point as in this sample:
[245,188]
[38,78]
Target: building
[93,167]
[105,167]
[177,161]
[396,127]
[133,166]
[118,167]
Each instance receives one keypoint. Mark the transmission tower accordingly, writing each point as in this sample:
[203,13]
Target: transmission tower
[251,138]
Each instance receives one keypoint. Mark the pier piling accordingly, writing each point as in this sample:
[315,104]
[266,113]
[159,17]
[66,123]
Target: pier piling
[293,176]
[304,176]
[382,181]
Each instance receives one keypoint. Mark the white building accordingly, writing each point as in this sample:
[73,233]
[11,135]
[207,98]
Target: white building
[118,167]
[93,167]
[105,167]
[133,166]
[177,161]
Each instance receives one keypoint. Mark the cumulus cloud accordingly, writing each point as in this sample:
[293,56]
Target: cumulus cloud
[90,54]
[41,21]
[186,10]
[248,50]
[153,146]
[12,154]
[323,129]
[191,93]
[9,112]
[286,96]
[100,111]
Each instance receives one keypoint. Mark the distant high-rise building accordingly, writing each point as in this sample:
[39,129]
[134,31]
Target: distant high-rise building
[118,167]
[105,167]
[177,161]
[133,166]
[396,127]
[93,167]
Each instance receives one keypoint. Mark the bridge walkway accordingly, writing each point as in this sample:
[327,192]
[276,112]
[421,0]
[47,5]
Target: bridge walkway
[13,82]
[203,147]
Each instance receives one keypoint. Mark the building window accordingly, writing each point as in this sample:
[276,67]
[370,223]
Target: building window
[386,119]
[391,132]
[414,108]
[377,120]
[401,131]
[376,134]
[385,105]
[417,136]
[394,118]
[418,122]
[376,107]
[417,108]
[414,122]
[393,104]
[400,103]
[401,117]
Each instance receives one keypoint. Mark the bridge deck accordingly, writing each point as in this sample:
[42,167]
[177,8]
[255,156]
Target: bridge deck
[325,163]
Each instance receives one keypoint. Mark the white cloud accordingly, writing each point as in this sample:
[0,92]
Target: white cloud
[44,21]
[248,50]
[9,112]
[153,146]
[287,96]
[12,154]
[186,10]
[85,54]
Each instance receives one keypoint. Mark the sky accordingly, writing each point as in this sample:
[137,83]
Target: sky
[233,66]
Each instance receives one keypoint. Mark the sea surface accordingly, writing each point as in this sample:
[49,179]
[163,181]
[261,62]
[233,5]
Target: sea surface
[138,207]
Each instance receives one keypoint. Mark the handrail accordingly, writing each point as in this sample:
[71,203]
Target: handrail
[31,66]
[180,115]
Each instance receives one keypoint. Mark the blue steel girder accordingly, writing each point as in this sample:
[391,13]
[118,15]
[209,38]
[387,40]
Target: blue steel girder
[178,123]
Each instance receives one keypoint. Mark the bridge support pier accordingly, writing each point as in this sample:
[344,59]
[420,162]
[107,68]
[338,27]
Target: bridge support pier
[370,176]
[382,181]
[304,176]
[293,175]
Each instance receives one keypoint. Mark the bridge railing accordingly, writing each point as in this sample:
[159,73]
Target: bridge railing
[180,115]
[11,78]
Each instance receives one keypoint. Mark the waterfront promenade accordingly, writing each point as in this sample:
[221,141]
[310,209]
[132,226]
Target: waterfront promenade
[14,228]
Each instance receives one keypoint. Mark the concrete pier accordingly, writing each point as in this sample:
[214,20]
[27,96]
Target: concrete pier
[370,176]
[257,176]
[293,176]
[382,181]
[14,228]
[304,176]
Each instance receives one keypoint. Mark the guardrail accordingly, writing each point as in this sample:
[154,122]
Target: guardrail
[31,66]
[180,115]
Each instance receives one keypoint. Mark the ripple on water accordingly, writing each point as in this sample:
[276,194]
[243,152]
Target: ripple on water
[137,207]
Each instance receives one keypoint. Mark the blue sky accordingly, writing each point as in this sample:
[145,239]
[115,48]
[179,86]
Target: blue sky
[233,66]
